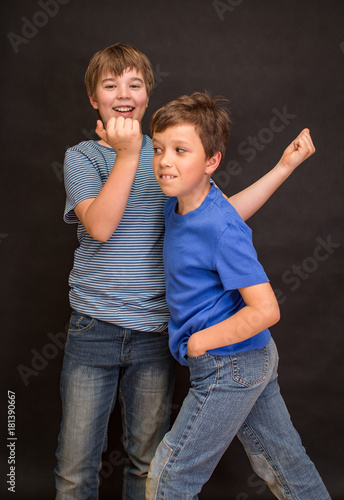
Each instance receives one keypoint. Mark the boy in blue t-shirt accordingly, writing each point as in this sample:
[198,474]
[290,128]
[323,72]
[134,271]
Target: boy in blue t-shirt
[221,306]
[117,344]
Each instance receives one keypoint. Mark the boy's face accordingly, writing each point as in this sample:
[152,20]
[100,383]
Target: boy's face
[180,164]
[123,95]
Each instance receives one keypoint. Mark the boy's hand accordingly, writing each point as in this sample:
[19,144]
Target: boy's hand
[194,348]
[298,151]
[122,134]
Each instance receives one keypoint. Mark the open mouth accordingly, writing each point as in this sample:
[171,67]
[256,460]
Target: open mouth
[124,109]
[167,177]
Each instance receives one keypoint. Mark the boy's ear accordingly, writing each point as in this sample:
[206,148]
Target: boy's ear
[93,102]
[213,162]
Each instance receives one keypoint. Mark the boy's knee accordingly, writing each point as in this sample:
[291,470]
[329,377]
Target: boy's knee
[264,470]
[149,488]
[152,480]
[157,469]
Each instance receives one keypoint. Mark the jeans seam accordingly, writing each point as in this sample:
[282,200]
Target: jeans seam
[124,418]
[125,439]
[184,437]
[106,430]
[170,453]
[125,358]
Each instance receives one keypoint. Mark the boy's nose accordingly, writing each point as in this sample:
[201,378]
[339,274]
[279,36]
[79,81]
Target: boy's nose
[165,161]
[122,93]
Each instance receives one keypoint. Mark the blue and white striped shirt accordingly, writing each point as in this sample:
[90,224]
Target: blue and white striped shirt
[120,281]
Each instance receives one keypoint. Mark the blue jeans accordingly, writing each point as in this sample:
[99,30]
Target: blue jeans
[103,361]
[233,395]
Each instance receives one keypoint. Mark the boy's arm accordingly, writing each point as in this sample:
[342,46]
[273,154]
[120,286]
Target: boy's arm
[101,215]
[248,201]
[261,311]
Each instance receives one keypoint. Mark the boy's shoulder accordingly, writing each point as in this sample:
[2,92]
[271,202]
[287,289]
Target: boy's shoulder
[84,146]
[94,144]
[222,209]
[93,147]
[213,217]
[87,149]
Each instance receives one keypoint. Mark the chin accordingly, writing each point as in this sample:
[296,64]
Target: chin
[165,189]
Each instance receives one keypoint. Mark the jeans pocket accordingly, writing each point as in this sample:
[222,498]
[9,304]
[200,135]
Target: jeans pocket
[198,358]
[204,370]
[250,367]
[80,323]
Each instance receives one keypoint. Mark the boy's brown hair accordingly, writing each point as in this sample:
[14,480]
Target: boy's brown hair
[116,59]
[211,121]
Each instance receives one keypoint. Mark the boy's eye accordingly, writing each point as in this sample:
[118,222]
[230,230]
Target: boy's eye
[157,150]
[181,150]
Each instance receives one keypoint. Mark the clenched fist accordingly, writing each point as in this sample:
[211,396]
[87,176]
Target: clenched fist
[298,151]
[122,134]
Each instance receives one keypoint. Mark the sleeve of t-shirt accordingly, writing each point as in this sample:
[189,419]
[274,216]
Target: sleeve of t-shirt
[82,181]
[236,258]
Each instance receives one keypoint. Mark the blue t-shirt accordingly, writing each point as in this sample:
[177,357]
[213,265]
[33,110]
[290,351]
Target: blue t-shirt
[120,281]
[208,255]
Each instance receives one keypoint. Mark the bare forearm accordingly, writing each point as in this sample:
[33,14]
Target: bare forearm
[244,324]
[251,199]
[261,311]
[248,201]
[101,215]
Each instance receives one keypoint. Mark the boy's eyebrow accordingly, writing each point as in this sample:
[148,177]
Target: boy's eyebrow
[135,78]
[107,79]
[112,78]
[174,141]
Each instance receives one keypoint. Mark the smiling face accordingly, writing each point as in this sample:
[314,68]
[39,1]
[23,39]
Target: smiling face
[123,95]
[181,166]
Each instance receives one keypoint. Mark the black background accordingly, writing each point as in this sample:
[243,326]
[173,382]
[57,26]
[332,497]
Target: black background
[263,56]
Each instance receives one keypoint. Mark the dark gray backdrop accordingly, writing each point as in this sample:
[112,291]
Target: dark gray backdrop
[270,58]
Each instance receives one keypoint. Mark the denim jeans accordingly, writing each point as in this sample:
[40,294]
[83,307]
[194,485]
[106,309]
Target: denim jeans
[102,362]
[233,395]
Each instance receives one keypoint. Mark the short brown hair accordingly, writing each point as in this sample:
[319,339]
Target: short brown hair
[211,121]
[116,59]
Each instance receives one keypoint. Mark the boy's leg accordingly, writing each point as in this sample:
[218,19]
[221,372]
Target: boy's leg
[88,391]
[223,391]
[145,395]
[275,449]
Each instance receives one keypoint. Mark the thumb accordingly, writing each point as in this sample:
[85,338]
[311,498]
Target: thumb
[100,130]
[304,131]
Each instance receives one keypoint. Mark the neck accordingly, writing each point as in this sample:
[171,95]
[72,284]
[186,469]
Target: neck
[192,201]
